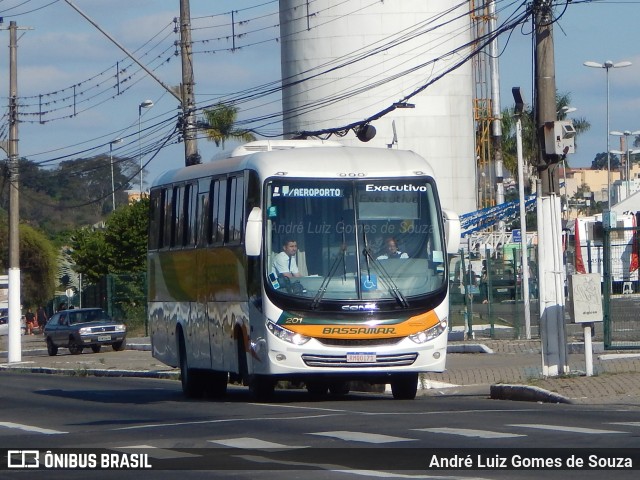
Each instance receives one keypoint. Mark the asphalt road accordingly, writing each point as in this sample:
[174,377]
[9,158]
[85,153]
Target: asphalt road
[235,437]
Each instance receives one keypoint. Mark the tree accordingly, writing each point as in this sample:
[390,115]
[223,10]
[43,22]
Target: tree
[125,235]
[88,251]
[76,192]
[37,263]
[600,162]
[121,247]
[219,125]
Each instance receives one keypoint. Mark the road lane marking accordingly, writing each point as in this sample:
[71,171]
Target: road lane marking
[31,428]
[224,420]
[254,443]
[362,437]
[155,452]
[469,432]
[561,428]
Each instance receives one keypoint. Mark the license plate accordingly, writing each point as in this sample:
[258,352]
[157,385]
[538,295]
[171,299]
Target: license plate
[104,338]
[361,358]
[502,290]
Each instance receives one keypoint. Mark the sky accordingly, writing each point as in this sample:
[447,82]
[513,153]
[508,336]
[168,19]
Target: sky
[70,106]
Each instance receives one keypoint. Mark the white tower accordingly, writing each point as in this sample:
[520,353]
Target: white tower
[386,51]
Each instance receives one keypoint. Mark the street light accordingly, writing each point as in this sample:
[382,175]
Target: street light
[608,65]
[564,111]
[626,134]
[149,104]
[113,186]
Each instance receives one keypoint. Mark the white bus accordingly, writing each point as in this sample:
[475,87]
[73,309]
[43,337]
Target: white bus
[220,311]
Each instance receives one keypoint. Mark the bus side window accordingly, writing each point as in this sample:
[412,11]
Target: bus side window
[168,216]
[179,220]
[190,216]
[156,205]
[236,209]
[217,205]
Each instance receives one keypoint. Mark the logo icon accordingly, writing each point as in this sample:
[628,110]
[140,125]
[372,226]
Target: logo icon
[23,459]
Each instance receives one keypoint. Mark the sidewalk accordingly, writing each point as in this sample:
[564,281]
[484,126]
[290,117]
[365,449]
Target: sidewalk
[502,369]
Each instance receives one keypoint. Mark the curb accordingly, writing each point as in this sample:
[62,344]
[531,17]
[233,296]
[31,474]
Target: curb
[468,348]
[94,372]
[526,393]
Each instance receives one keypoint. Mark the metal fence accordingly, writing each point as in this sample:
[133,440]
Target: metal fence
[122,296]
[486,294]
[621,289]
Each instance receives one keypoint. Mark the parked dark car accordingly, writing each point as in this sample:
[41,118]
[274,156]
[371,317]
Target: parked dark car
[79,328]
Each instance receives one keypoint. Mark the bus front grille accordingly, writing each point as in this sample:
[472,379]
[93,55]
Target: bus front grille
[340,361]
[373,342]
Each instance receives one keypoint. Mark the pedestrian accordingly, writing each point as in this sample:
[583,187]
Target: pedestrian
[484,283]
[30,321]
[42,318]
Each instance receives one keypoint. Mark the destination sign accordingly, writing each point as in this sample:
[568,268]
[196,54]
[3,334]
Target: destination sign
[287,191]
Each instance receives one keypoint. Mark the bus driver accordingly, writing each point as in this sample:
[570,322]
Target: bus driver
[285,263]
[392,250]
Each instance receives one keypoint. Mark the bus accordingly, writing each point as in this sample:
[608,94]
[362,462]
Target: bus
[220,312]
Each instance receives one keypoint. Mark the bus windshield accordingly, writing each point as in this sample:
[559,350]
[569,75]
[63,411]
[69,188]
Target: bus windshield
[353,240]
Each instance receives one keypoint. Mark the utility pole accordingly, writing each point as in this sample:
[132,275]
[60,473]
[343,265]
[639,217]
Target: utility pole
[496,113]
[191,155]
[545,78]
[14,345]
[550,262]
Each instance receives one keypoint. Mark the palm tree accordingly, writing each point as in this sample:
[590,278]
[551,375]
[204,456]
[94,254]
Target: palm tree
[219,125]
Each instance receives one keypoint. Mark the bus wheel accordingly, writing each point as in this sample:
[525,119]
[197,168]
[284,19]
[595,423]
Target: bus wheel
[339,388]
[216,383]
[317,388]
[191,380]
[404,386]
[262,387]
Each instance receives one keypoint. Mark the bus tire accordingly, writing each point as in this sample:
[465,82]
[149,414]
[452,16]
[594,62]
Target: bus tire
[404,386]
[262,387]
[317,388]
[191,380]
[216,383]
[339,388]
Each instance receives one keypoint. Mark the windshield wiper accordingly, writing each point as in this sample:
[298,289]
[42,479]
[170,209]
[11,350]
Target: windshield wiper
[332,271]
[342,255]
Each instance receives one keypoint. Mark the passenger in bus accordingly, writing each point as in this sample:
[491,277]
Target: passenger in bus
[391,246]
[284,263]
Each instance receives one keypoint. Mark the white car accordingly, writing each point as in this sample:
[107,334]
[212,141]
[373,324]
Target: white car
[4,325]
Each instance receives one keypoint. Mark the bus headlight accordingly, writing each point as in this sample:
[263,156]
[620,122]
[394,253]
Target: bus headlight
[430,333]
[287,335]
